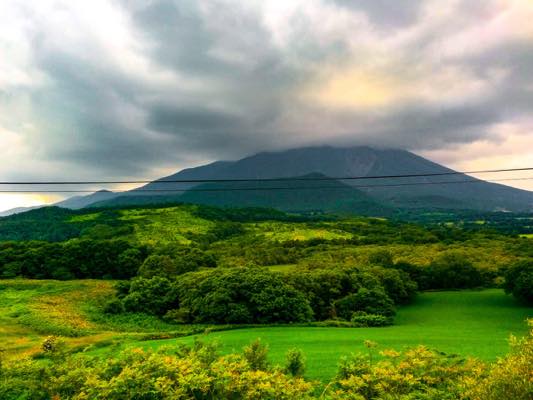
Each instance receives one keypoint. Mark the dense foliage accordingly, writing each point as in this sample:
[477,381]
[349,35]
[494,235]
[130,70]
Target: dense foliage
[519,280]
[75,259]
[256,295]
[200,372]
[199,264]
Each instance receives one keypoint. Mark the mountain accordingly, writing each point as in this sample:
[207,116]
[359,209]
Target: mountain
[436,192]
[306,193]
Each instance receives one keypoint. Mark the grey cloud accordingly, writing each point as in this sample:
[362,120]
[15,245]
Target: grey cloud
[97,118]
[386,13]
[189,120]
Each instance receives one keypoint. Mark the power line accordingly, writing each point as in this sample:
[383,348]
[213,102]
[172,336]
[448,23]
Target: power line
[273,188]
[322,178]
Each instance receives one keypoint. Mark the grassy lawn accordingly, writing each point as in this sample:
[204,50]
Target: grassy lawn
[469,323]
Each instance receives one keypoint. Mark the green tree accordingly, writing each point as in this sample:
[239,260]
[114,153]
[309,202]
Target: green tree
[519,280]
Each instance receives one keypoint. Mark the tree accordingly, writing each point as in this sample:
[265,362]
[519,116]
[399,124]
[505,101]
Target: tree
[371,301]
[453,270]
[156,265]
[519,280]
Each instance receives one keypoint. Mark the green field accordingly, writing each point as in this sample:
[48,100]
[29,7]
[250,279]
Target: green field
[469,323]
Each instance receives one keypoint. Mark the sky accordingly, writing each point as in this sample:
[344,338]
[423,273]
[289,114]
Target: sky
[139,89]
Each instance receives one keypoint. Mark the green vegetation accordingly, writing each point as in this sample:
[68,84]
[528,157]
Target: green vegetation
[199,371]
[519,280]
[314,288]
[468,323]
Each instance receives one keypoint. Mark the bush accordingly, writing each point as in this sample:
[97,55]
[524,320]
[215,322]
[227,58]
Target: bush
[295,362]
[417,373]
[519,280]
[188,373]
[257,355]
[371,301]
[153,296]
[453,270]
[509,377]
[363,319]
[53,346]
[157,265]
[114,306]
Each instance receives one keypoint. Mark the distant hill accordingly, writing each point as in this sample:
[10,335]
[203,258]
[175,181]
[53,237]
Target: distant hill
[17,210]
[355,196]
[77,202]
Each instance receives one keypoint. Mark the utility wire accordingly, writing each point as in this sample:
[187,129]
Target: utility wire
[272,188]
[322,178]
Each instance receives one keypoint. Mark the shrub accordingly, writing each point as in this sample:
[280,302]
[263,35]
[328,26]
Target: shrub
[453,270]
[114,306]
[53,346]
[153,296]
[371,301]
[363,319]
[510,377]
[417,373]
[156,265]
[295,362]
[519,280]
[257,355]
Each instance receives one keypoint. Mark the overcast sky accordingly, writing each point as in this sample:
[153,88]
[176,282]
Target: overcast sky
[109,89]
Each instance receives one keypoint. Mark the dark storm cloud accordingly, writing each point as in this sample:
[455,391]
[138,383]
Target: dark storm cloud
[219,83]
[168,118]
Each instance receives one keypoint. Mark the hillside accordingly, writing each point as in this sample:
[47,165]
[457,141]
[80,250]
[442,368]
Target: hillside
[303,194]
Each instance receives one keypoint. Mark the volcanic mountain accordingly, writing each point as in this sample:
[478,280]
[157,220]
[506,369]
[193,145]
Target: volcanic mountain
[303,186]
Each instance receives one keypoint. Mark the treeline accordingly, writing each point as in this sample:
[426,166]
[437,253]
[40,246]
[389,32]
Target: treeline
[98,259]
[200,372]
[257,296]
[75,259]
[56,224]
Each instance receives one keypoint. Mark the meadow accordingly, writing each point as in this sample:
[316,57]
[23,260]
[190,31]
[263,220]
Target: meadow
[468,323]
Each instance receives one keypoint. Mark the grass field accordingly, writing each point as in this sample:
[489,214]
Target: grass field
[469,323]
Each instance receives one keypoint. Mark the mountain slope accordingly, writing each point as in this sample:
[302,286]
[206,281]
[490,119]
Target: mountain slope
[305,193]
[433,192]
[437,191]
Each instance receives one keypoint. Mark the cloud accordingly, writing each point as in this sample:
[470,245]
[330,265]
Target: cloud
[386,13]
[123,89]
